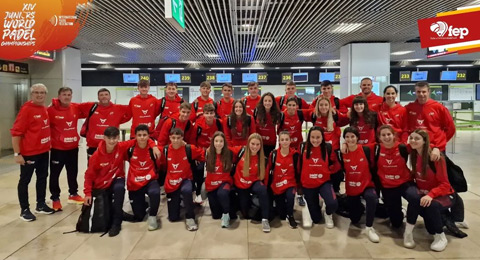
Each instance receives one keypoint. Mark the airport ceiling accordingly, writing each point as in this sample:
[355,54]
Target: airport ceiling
[249,31]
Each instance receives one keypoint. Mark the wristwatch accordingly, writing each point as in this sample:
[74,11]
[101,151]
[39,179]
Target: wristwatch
[16,154]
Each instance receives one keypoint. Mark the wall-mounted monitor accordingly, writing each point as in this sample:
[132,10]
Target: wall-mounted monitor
[419,75]
[300,77]
[477,89]
[224,77]
[449,75]
[327,76]
[131,78]
[172,78]
[249,77]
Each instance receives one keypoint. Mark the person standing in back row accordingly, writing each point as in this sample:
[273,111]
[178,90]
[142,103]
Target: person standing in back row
[374,101]
[31,143]
[199,102]
[290,90]
[143,108]
[252,99]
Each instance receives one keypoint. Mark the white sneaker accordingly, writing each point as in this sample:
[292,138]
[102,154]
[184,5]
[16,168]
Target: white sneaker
[265,226]
[408,241]
[306,219]
[225,220]
[328,220]
[191,225]
[372,235]
[462,224]
[439,242]
[198,199]
[152,223]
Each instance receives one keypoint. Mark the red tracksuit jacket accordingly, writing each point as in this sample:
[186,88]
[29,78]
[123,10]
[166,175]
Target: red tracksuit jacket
[234,137]
[63,124]
[104,167]
[163,137]
[143,112]
[103,117]
[178,167]
[395,117]
[315,171]
[217,178]
[331,137]
[268,131]
[171,107]
[433,184]
[434,118]
[33,125]
[373,101]
[392,167]
[367,132]
[357,171]
[251,104]
[200,103]
[203,132]
[242,182]
[224,108]
[283,173]
[293,125]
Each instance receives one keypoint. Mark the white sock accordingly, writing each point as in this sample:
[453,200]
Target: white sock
[409,228]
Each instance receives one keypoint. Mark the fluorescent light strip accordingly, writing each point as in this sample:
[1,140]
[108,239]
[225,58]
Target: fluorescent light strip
[429,65]
[302,68]
[88,69]
[252,68]
[330,67]
[171,68]
[346,27]
[307,54]
[460,65]
[103,55]
[229,68]
[129,45]
[400,52]
[126,68]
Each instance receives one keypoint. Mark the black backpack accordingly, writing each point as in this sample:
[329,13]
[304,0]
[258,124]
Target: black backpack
[188,151]
[174,123]
[96,217]
[455,175]
[239,157]
[282,118]
[152,156]
[273,159]
[302,150]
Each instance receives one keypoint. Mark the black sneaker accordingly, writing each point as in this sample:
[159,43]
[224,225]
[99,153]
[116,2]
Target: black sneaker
[301,201]
[44,209]
[128,217]
[114,230]
[26,215]
[291,222]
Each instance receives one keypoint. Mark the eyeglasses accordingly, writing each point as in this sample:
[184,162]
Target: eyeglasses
[39,92]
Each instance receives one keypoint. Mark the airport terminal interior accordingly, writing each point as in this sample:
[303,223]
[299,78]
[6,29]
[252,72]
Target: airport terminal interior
[271,42]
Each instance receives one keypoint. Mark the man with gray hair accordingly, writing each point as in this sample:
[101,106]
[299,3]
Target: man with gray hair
[31,144]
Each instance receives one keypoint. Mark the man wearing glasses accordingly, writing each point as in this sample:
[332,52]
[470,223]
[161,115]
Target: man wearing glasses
[31,144]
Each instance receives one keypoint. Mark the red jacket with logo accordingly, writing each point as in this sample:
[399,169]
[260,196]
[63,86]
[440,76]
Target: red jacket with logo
[302,103]
[373,101]
[163,137]
[234,137]
[33,126]
[200,102]
[104,167]
[242,182]
[315,171]
[63,124]
[204,132]
[217,178]
[224,108]
[143,112]
[357,171]
[392,167]
[103,117]
[395,117]
[367,132]
[178,167]
[268,131]
[434,118]
[331,137]
[293,125]
[433,184]
[251,104]
[283,172]
[171,108]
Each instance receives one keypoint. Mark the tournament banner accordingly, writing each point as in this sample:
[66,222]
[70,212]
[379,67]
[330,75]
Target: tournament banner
[39,25]
[456,31]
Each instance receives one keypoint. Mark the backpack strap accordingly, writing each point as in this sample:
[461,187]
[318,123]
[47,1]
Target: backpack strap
[313,117]
[219,125]
[376,153]
[174,123]
[299,102]
[249,120]
[195,106]
[329,152]
[300,115]
[295,162]
[432,166]
[229,122]
[162,106]
[188,151]
[336,101]
[187,127]
[340,158]
[280,104]
[282,120]
[199,132]
[130,152]
[165,152]
[402,148]
[366,151]
[302,148]
[273,158]
[152,156]
[255,114]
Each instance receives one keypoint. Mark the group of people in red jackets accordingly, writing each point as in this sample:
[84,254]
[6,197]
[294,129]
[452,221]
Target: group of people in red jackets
[239,149]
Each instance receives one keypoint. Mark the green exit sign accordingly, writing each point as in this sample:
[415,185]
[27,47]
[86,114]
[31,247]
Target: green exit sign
[175,14]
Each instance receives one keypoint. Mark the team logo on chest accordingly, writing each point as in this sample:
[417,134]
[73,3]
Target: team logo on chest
[354,167]
[45,121]
[292,127]
[388,120]
[69,123]
[216,168]
[420,121]
[145,111]
[315,160]
[361,128]
[284,170]
[143,163]
[175,165]
[389,161]
[103,120]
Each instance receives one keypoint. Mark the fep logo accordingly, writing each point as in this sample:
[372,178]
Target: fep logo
[441,28]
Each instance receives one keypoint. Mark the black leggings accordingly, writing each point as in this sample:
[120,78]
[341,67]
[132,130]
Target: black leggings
[58,159]
[198,176]
[311,196]
[259,189]
[355,206]
[219,200]
[284,202]
[393,201]
[432,214]
[139,205]
[173,201]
